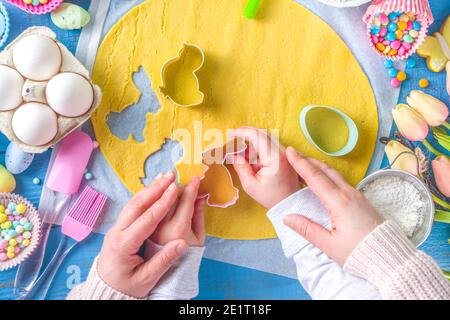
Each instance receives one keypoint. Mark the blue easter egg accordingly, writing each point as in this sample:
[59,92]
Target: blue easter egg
[392,72]
[390,36]
[392,27]
[388,64]
[411,63]
[416,25]
[375,30]
[16,160]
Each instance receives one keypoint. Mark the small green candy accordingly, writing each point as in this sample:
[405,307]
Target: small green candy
[69,16]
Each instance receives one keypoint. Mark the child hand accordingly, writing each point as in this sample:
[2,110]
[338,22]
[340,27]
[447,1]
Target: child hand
[187,220]
[119,264]
[265,173]
[352,216]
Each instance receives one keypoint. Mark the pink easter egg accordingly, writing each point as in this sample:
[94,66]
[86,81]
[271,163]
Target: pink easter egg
[11,218]
[386,42]
[384,19]
[17,250]
[383,32]
[396,44]
[395,83]
[401,51]
[3,244]
[19,239]
[3,257]
[407,46]
[374,39]
[8,212]
[409,25]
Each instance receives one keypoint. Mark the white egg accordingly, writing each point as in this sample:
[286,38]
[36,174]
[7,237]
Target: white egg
[35,124]
[70,94]
[37,57]
[11,83]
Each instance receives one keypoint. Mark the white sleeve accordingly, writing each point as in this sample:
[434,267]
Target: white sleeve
[320,276]
[181,281]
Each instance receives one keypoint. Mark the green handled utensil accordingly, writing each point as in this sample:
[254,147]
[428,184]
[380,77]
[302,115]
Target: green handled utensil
[251,9]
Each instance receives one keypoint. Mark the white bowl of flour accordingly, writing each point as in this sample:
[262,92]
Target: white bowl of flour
[403,198]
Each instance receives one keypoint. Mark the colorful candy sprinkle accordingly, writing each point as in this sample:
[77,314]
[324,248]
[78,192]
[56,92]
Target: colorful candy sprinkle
[88,176]
[36,181]
[423,83]
[401,76]
[394,33]
[15,230]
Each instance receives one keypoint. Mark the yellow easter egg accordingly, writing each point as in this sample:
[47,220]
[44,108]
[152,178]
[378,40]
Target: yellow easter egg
[259,73]
[7,181]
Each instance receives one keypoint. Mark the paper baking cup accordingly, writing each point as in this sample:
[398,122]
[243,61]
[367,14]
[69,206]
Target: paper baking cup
[39,9]
[33,217]
[421,8]
[4,36]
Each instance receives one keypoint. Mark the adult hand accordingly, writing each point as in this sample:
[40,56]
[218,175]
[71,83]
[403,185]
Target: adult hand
[119,264]
[351,214]
[187,220]
[264,171]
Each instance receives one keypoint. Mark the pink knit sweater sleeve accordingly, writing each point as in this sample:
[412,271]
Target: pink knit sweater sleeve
[400,271]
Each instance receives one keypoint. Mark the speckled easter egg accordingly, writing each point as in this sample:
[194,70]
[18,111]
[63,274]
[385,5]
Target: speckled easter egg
[16,160]
[69,16]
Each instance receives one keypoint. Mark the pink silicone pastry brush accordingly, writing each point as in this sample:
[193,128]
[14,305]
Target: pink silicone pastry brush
[77,225]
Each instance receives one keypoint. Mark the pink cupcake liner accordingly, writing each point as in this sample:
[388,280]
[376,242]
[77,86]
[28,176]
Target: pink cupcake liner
[39,9]
[33,217]
[420,8]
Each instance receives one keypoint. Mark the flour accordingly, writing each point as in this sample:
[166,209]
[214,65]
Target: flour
[397,200]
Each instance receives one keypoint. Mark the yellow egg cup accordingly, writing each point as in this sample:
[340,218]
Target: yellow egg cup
[180,83]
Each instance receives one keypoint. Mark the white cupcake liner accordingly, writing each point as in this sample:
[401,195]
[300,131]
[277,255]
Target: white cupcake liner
[33,217]
[421,8]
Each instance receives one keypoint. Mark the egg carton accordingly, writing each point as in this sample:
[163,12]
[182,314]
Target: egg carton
[66,125]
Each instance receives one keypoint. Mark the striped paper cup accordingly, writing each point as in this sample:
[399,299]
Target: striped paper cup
[33,217]
[40,8]
[420,8]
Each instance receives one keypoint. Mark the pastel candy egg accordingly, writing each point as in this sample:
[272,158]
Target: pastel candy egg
[407,38]
[70,94]
[396,44]
[392,27]
[410,63]
[2,208]
[12,206]
[409,25]
[3,257]
[10,255]
[19,229]
[26,235]
[15,224]
[19,239]
[16,160]
[393,52]
[406,45]
[37,57]
[17,250]
[387,49]
[3,217]
[395,83]
[414,33]
[23,220]
[3,244]
[401,51]
[35,124]
[392,72]
[380,46]
[388,64]
[7,181]
[398,34]
[11,83]
[69,16]
[21,208]
[383,32]
[375,30]
[375,39]
[402,25]
[384,19]
[404,18]
[416,25]
[391,36]
[26,242]
[28,226]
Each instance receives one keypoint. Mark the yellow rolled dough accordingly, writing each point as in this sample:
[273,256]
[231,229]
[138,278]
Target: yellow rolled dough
[258,73]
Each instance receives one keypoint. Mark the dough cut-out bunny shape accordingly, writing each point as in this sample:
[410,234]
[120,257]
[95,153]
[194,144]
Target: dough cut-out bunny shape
[436,48]
[180,83]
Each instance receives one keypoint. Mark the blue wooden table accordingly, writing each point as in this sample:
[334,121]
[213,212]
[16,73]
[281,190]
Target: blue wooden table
[217,280]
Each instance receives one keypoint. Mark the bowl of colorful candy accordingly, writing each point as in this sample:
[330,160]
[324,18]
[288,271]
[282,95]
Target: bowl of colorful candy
[396,28]
[37,6]
[4,25]
[19,230]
